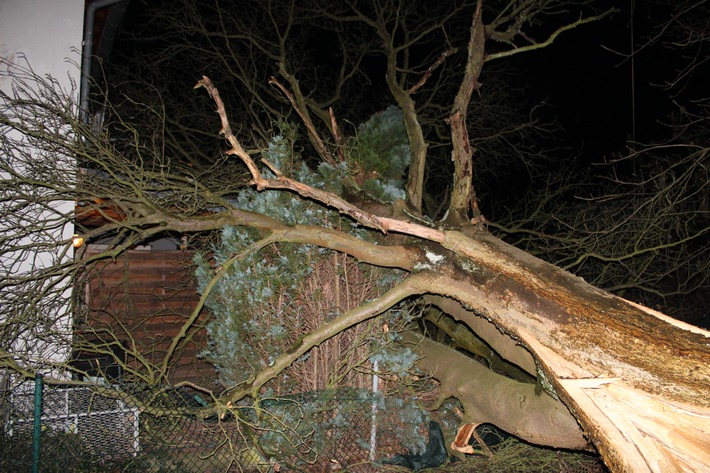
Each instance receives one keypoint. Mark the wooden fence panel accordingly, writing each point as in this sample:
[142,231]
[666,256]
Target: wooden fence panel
[143,299]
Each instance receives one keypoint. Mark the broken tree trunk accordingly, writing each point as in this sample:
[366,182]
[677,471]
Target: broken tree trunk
[637,381]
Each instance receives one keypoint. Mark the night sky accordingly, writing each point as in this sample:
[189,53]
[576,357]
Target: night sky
[589,88]
[588,82]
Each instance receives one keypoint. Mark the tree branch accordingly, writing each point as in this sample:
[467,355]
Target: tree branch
[462,193]
[412,285]
[551,38]
[382,224]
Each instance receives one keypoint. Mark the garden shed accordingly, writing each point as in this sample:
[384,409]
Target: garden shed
[140,302]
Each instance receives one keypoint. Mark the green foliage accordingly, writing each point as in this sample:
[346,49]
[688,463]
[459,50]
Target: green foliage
[333,175]
[390,356]
[381,152]
[394,359]
[252,299]
[256,311]
[382,145]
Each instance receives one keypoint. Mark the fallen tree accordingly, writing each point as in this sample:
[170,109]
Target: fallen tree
[609,373]
[636,380]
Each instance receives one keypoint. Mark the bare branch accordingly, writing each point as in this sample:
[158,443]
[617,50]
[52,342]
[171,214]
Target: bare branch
[550,39]
[412,285]
[382,224]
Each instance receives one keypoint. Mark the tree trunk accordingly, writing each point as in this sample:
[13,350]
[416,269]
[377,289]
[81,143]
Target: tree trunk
[637,381]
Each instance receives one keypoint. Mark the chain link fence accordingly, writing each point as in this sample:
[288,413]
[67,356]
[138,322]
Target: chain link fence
[142,428]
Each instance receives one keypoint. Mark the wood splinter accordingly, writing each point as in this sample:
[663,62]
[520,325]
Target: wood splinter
[463,436]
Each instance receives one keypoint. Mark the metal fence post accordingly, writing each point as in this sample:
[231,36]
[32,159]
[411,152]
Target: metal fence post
[37,423]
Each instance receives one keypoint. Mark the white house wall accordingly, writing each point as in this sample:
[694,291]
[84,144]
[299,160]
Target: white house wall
[47,36]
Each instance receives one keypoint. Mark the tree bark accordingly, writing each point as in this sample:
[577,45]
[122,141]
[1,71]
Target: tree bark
[518,409]
[462,192]
[637,381]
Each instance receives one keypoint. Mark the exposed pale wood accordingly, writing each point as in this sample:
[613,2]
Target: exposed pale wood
[638,383]
[642,432]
